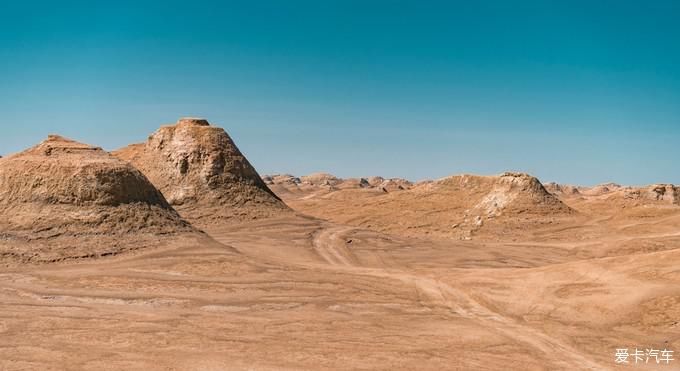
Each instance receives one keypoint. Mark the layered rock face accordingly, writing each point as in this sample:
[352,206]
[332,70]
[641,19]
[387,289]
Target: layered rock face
[202,173]
[61,193]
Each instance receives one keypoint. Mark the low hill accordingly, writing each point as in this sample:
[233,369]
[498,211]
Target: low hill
[63,200]
[462,206]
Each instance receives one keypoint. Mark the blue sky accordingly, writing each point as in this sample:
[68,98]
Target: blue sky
[570,91]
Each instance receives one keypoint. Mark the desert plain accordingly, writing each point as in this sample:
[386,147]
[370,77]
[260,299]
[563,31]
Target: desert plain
[176,254]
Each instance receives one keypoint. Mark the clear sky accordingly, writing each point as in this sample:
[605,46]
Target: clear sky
[570,91]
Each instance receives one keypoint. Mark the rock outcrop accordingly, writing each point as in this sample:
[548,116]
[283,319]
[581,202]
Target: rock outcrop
[321,179]
[72,200]
[602,189]
[281,179]
[562,189]
[508,195]
[203,174]
[656,193]
[665,192]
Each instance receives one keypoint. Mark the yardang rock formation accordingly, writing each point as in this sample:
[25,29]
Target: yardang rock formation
[203,174]
[72,200]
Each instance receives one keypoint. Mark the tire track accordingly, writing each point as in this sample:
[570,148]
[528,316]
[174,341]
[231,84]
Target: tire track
[330,244]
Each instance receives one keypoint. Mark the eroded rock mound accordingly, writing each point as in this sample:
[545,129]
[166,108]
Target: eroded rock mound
[562,189]
[203,174]
[665,192]
[321,179]
[388,185]
[72,200]
[602,189]
[353,183]
[662,193]
[393,184]
[515,198]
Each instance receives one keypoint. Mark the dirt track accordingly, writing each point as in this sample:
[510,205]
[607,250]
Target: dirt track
[298,292]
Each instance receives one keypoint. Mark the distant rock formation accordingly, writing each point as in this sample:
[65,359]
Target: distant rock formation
[562,189]
[663,193]
[288,185]
[509,195]
[353,183]
[321,179]
[281,179]
[602,189]
[460,207]
[395,184]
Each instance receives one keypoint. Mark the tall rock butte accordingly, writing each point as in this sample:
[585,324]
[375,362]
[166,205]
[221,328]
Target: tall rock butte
[202,173]
[63,200]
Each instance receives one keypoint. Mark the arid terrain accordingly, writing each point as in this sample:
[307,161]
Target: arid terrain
[175,254]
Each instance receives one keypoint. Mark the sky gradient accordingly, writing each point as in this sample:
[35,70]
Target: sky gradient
[580,92]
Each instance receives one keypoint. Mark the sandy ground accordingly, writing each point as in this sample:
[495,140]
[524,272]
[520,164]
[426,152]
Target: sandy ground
[299,292]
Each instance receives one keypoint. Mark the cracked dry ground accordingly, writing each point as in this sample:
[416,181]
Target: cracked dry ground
[302,293]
